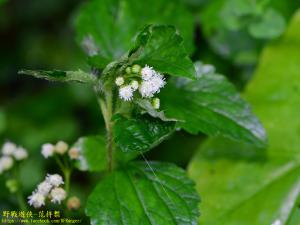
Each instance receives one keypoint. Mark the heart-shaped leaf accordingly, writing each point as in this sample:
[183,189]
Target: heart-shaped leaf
[141,193]
[162,48]
[213,106]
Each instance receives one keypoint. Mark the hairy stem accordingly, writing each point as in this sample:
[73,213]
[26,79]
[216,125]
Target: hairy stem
[109,126]
[107,111]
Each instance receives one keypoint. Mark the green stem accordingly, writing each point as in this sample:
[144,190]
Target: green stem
[109,126]
[59,163]
[67,175]
[21,200]
[67,171]
[19,194]
[107,111]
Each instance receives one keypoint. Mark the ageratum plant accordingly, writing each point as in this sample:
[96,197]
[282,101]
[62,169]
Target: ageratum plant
[147,88]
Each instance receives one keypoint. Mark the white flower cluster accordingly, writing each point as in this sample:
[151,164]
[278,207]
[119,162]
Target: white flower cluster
[146,80]
[11,152]
[60,148]
[49,188]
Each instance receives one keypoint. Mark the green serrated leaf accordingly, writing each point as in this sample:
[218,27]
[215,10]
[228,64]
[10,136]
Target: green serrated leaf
[93,154]
[140,134]
[247,186]
[62,76]
[110,25]
[140,193]
[162,48]
[271,25]
[213,106]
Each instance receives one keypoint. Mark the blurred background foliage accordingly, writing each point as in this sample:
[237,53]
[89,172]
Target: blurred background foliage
[229,34]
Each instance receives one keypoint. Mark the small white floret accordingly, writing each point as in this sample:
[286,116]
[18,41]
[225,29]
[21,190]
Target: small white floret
[55,179]
[8,148]
[146,89]
[44,188]
[47,150]
[119,81]
[36,200]
[147,73]
[20,153]
[157,81]
[134,85]
[57,195]
[6,162]
[61,147]
[126,93]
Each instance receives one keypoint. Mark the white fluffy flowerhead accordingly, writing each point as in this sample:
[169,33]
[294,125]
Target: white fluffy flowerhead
[119,81]
[47,150]
[6,162]
[134,85]
[157,81]
[126,93]
[8,148]
[20,153]
[57,195]
[44,188]
[147,72]
[36,200]
[55,179]
[150,87]
[61,147]
[146,89]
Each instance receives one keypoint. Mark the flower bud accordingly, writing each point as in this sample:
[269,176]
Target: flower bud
[12,185]
[61,147]
[134,85]
[74,153]
[119,81]
[156,103]
[136,68]
[73,203]
[128,70]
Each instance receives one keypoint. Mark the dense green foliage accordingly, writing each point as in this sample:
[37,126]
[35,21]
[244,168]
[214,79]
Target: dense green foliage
[245,185]
[246,172]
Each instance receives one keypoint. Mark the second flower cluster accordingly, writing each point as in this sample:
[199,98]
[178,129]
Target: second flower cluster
[146,81]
